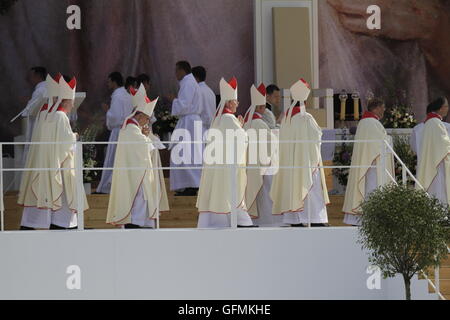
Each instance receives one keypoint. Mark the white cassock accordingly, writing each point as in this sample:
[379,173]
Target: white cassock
[433,150]
[208,101]
[362,181]
[121,107]
[415,139]
[188,108]
[40,91]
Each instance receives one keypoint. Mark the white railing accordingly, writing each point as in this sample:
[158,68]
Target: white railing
[79,169]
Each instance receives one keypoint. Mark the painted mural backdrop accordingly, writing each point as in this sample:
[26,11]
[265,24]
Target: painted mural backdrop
[408,56]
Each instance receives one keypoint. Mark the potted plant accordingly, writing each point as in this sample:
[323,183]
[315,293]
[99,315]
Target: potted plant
[403,149]
[342,157]
[405,231]
[89,155]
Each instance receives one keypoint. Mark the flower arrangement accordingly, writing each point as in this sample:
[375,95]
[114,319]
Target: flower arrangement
[165,121]
[89,153]
[399,114]
[342,157]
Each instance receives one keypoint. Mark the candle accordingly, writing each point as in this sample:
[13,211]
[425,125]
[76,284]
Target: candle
[355,97]
[356,108]
[343,97]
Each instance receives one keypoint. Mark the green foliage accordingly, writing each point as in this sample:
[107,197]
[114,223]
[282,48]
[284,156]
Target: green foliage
[404,151]
[89,153]
[405,230]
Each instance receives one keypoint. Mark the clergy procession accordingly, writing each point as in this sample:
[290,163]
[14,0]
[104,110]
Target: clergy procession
[238,166]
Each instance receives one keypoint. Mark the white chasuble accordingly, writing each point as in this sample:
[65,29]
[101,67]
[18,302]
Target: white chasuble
[259,154]
[433,170]
[128,184]
[214,197]
[301,191]
[366,154]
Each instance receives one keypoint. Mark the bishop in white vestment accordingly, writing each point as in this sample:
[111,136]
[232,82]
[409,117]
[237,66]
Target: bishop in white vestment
[226,145]
[26,197]
[135,194]
[433,170]
[300,194]
[55,189]
[362,181]
[260,154]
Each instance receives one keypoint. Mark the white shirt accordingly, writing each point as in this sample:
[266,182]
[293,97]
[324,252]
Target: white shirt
[269,118]
[188,101]
[121,107]
[208,101]
[40,91]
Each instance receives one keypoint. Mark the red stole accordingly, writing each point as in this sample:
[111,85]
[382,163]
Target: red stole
[255,116]
[432,115]
[44,107]
[369,114]
[132,121]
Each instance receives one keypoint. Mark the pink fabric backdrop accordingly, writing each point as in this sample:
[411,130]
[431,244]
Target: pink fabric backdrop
[132,37]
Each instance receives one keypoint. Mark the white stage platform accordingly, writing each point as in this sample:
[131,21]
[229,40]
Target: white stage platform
[285,263]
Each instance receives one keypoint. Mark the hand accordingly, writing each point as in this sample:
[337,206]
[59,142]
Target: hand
[400,19]
[241,120]
[105,107]
[146,131]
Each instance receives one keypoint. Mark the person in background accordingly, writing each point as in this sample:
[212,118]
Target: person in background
[36,77]
[207,96]
[131,82]
[120,108]
[187,107]
[273,109]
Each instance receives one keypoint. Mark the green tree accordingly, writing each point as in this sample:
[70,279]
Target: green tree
[405,231]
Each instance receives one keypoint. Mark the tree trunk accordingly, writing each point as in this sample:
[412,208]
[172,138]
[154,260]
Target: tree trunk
[407,287]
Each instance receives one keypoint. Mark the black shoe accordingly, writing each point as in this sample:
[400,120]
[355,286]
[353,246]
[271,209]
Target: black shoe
[132,226]
[252,226]
[188,192]
[300,225]
[55,227]
[319,225]
[26,228]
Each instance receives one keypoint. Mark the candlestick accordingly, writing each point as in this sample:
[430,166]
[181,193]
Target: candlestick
[355,97]
[343,97]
